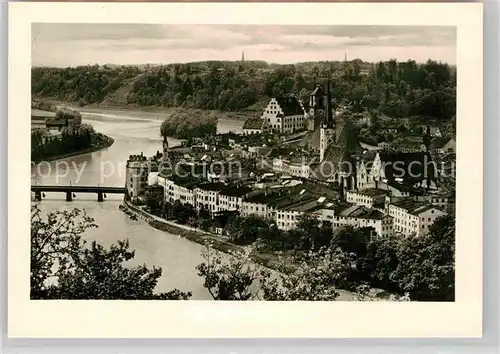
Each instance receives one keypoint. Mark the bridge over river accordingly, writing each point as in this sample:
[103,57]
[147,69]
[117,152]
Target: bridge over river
[71,190]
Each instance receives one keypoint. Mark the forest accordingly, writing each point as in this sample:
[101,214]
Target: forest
[396,89]
[74,137]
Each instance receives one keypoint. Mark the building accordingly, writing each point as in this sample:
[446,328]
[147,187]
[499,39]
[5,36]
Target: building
[441,146]
[359,216]
[415,169]
[179,189]
[136,175]
[253,126]
[231,197]
[207,196]
[255,205]
[284,115]
[370,198]
[294,168]
[413,217]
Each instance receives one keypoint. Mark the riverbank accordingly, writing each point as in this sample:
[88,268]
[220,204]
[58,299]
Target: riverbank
[241,115]
[219,243]
[108,141]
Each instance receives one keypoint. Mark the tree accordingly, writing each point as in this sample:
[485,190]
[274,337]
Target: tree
[426,268]
[230,278]
[64,267]
[310,277]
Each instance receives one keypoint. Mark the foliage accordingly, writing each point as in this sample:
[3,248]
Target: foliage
[76,136]
[397,89]
[229,277]
[188,125]
[426,266]
[309,277]
[64,267]
[82,84]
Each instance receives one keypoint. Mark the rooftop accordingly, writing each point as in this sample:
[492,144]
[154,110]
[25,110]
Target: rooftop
[412,206]
[372,192]
[362,212]
[253,123]
[290,105]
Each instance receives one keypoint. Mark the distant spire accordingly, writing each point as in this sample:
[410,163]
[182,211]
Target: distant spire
[345,56]
[243,56]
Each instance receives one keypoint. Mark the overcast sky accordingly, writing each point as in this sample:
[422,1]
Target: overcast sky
[64,45]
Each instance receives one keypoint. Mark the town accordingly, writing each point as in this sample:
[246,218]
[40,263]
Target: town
[306,158]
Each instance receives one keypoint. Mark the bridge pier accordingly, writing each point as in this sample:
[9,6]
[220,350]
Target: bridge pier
[38,196]
[100,197]
[69,196]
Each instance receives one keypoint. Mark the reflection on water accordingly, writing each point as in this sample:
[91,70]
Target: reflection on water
[133,133]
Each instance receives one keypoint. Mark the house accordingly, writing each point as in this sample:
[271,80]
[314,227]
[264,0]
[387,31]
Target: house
[293,167]
[231,197]
[253,126]
[370,198]
[359,216]
[255,205]
[178,188]
[207,196]
[442,146]
[284,115]
[413,217]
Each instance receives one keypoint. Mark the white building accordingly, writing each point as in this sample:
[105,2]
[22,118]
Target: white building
[253,126]
[136,175]
[370,197]
[231,197]
[359,216]
[179,189]
[255,205]
[207,196]
[295,169]
[284,115]
[412,217]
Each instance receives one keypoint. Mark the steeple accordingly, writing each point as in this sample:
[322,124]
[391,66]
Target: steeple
[328,120]
[345,56]
[242,56]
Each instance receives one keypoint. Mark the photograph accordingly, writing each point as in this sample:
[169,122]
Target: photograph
[243,162]
[258,175]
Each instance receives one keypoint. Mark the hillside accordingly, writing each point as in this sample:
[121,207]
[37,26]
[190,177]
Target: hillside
[241,89]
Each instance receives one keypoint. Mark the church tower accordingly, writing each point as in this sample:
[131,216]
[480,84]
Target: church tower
[316,108]
[327,129]
[165,149]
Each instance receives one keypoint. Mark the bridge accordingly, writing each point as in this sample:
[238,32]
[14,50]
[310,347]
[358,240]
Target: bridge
[69,190]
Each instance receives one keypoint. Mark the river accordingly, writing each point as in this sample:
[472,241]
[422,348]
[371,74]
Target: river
[134,132]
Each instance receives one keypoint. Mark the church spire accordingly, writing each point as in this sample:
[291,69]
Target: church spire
[328,105]
[242,56]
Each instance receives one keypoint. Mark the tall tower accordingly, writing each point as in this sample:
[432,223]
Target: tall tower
[165,149]
[242,56]
[327,129]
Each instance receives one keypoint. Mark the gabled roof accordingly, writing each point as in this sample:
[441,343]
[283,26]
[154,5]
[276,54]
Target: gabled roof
[290,105]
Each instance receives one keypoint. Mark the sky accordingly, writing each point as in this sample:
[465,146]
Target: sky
[63,45]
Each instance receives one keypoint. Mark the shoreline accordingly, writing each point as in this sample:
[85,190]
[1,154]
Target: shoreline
[236,116]
[201,237]
[79,152]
